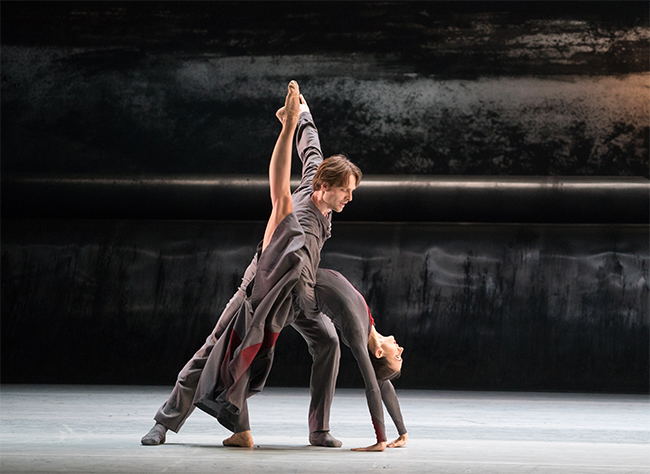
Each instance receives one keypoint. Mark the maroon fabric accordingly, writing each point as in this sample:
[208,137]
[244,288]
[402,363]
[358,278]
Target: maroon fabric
[380,432]
[372,320]
[269,338]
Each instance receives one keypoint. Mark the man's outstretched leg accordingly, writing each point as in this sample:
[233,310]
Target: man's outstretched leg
[323,343]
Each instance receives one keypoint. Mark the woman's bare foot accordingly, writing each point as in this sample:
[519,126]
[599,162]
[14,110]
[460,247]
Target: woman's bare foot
[288,114]
[243,439]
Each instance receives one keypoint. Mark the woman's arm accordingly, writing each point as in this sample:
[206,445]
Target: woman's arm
[389,398]
[347,308]
[280,166]
[373,397]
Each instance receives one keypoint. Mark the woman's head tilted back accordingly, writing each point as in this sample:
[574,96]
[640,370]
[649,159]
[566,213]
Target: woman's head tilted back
[385,355]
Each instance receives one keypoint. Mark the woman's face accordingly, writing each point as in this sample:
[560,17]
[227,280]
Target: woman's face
[392,352]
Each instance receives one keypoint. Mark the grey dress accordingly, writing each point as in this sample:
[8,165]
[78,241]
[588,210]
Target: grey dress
[241,360]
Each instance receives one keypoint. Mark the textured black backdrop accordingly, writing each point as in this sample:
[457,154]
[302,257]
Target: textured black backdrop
[141,89]
[512,306]
[505,88]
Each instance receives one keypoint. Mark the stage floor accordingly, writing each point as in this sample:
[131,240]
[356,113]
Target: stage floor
[97,429]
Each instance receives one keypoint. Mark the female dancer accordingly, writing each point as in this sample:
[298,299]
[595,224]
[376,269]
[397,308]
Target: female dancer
[379,357]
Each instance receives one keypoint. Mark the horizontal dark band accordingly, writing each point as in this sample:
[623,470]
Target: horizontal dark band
[403,198]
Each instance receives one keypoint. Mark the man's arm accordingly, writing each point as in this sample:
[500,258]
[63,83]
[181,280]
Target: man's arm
[307,144]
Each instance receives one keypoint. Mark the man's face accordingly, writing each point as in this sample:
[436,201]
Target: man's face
[337,197]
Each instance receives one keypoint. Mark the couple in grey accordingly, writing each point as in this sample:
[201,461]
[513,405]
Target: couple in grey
[283,286]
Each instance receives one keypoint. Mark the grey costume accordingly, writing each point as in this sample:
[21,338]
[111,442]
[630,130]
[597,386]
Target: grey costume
[241,361]
[348,310]
[315,225]
[317,330]
[239,365]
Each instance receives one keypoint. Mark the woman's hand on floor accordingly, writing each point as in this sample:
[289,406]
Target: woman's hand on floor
[375,447]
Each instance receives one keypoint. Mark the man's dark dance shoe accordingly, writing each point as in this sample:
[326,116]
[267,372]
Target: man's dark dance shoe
[155,436]
[324,438]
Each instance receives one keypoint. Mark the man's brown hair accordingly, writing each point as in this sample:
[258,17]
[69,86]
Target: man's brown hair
[335,171]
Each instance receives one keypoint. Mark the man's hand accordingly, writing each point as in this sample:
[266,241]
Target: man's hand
[303,105]
[375,447]
[401,441]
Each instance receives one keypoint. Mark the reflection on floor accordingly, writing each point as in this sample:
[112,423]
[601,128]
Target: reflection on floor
[97,429]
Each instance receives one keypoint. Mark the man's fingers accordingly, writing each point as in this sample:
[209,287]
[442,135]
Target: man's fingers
[303,104]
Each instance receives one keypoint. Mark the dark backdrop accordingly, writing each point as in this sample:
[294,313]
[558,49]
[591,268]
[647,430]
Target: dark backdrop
[98,90]
[506,88]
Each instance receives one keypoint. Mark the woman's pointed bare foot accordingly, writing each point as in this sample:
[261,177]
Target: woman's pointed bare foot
[243,439]
[292,102]
[289,113]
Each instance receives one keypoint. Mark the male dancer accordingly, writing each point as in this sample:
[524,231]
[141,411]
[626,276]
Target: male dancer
[313,210]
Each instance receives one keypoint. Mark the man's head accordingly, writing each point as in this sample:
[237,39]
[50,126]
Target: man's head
[335,179]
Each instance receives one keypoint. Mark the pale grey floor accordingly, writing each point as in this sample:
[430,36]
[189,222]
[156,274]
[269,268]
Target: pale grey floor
[97,429]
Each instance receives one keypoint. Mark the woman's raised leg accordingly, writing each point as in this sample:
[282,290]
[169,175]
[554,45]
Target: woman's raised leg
[280,166]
